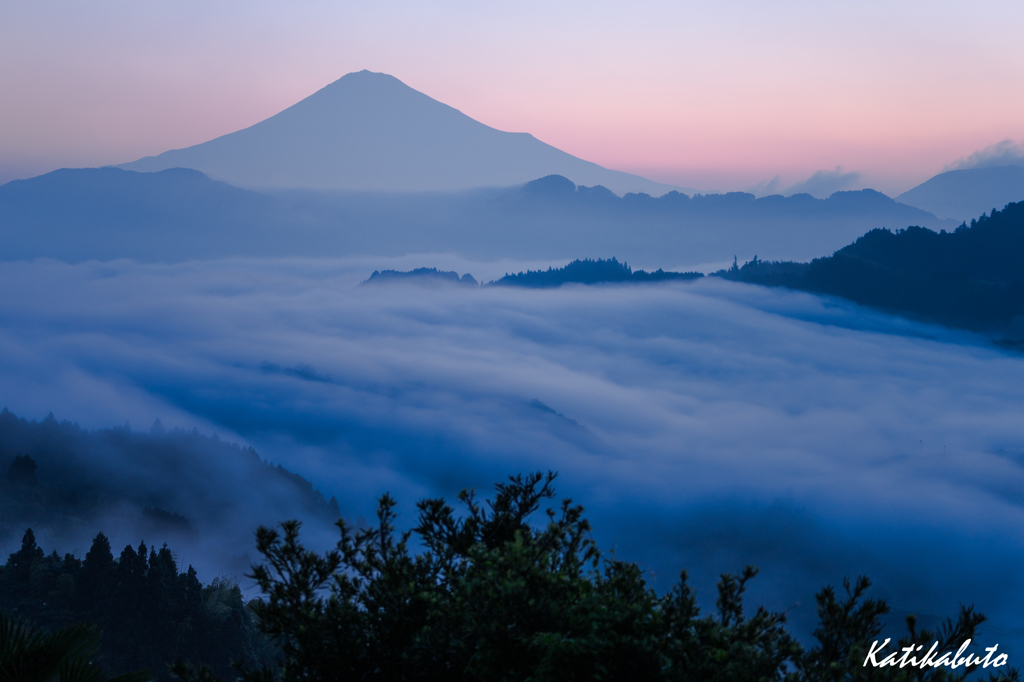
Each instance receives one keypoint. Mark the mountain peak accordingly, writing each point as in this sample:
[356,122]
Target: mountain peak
[369,131]
[366,76]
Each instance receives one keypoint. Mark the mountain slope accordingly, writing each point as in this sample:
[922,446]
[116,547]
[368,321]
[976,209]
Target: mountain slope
[77,214]
[369,131]
[206,495]
[964,194]
[971,278]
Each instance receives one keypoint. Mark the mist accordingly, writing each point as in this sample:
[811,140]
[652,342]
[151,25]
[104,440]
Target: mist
[1003,153]
[704,425]
[181,215]
[820,184]
[824,183]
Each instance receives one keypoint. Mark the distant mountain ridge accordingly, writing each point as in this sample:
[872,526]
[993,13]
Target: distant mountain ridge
[371,132]
[106,213]
[181,214]
[972,278]
[965,194]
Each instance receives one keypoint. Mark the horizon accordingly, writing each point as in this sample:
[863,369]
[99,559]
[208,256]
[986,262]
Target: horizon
[821,184]
[884,103]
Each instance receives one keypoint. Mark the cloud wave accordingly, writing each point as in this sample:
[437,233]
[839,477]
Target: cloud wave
[704,425]
[825,183]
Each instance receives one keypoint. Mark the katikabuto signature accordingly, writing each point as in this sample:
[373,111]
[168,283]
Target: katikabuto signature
[947,659]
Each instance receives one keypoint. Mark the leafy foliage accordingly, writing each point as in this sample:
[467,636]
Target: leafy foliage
[485,594]
[492,596]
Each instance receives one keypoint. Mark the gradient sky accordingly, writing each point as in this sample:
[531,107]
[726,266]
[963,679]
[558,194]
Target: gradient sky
[713,95]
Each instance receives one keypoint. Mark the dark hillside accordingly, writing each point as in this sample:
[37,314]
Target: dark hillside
[149,608]
[588,271]
[990,249]
[421,276]
[971,278]
[203,494]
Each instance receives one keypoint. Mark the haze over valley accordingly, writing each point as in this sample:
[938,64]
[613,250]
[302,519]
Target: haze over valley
[659,392]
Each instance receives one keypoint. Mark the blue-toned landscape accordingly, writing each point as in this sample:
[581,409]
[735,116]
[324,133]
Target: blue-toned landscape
[350,311]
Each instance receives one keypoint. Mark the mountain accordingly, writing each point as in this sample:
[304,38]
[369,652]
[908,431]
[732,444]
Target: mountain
[104,213]
[964,194]
[180,214]
[371,132]
[676,230]
[971,278]
[206,495]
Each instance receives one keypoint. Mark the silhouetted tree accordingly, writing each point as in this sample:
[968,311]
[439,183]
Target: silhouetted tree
[22,471]
[149,614]
[20,562]
[493,596]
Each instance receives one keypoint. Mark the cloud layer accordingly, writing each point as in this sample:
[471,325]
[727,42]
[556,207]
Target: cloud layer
[704,425]
[1005,153]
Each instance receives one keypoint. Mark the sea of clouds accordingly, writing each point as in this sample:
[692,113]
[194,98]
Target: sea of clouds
[704,425]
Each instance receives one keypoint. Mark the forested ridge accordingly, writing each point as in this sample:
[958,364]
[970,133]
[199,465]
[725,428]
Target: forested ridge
[971,278]
[66,479]
[588,271]
[150,610]
[579,271]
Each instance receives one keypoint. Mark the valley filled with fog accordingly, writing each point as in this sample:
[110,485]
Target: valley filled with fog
[704,425]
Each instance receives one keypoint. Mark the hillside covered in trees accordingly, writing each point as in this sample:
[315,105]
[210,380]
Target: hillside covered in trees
[420,276]
[149,610]
[589,271]
[202,494]
[585,271]
[971,278]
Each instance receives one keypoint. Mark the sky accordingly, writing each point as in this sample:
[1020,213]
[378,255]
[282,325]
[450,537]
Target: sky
[704,426]
[718,96]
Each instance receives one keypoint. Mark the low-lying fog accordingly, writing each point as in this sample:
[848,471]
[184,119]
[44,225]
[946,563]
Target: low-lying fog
[703,425]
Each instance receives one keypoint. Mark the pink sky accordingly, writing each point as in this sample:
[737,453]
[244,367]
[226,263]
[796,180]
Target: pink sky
[717,98]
